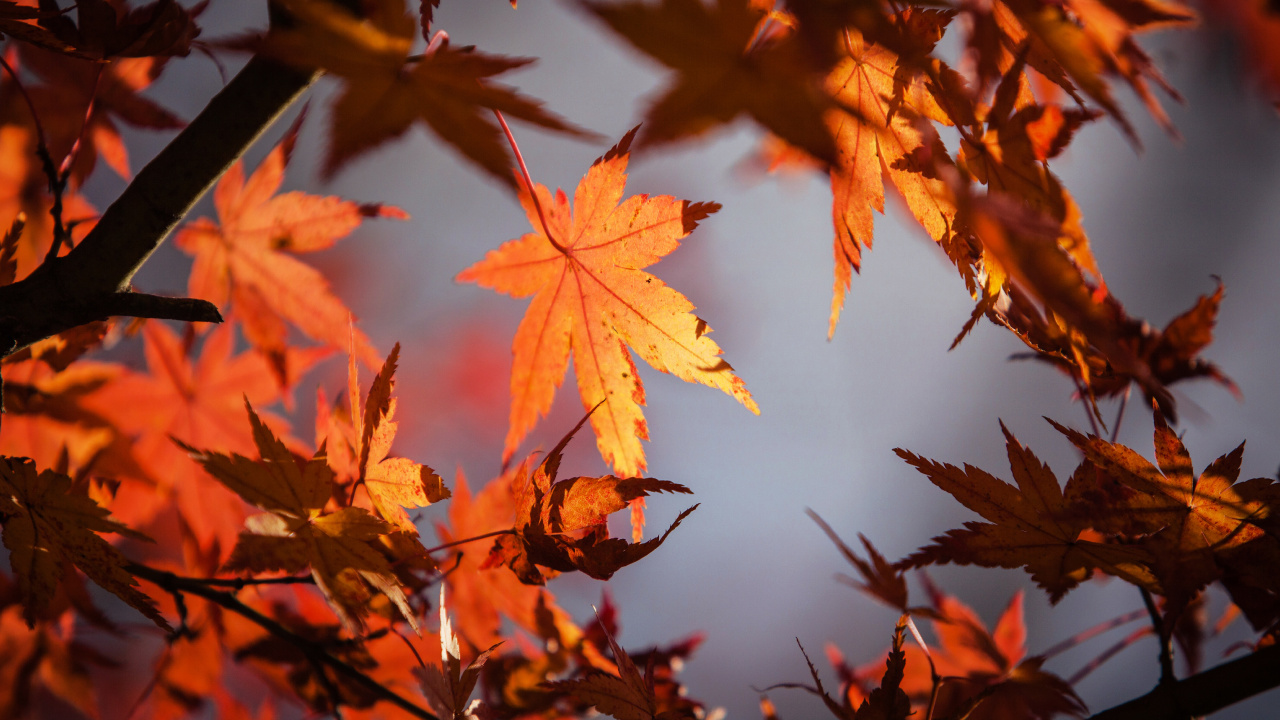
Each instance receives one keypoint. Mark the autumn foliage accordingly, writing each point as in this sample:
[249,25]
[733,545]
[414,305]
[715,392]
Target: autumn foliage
[285,567]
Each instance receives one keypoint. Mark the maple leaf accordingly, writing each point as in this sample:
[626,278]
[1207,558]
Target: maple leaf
[726,68]
[106,31]
[1190,520]
[584,268]
[1089,40]
[880,579]
[888,702]
[385,93]
[1171,354]
[1035,525]
[42,657]
[562,525]
[393,483]
[83,103]
[990,676]
[1069,320]
[480,595]
[13,17]
[448,686]
[247,257]
[48,528]
[628,695]
[296,532]
[1009,158]
[24,194]
[876,137]
[198,400]
[45,420]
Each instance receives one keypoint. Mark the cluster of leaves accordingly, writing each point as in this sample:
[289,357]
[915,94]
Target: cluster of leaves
[301,561]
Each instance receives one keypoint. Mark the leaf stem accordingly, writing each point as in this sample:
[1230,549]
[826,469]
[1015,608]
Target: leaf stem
[1109,653]
[1115,426]
[935,679]
[528,183]
[456,543]
[1086,635]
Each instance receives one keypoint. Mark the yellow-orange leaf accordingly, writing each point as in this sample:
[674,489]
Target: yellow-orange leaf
[877,143]
[591,295]
[393,483]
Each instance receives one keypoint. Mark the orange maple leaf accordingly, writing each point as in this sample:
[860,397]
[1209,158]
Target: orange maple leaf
[876,138]
[393,483]
[197,400]
[592,297]
[728,66]
[340,546]
[989,675]
[385,92]
[481,594]
[82,103]
[246,257]
[563,525]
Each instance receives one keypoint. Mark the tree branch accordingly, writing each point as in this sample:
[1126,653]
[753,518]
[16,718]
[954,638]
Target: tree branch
[315,652]
[1204,692]
[87,283]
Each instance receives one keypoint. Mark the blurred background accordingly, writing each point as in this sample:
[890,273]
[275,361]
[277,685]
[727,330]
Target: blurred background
[748,568]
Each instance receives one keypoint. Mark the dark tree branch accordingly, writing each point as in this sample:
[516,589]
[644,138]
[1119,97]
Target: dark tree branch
[1205,692]
[88,283]
[159,307]
[314,652]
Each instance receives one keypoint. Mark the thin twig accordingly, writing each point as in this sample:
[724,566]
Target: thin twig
[528,183]
[412,649]
[455,543]
[56,181]
[1162,632]
[242,583]
[1115,426]
[314,651]
[1084,397]
[1093,632]
[1109,653]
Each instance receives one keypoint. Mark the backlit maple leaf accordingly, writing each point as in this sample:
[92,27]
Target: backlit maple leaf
[296,532]
[1091,39]
[83,102]
[48,527]
[198,400]
[988,671]
[247,257]
[1187,521]
[393,483]
[727,68]
[1034,525]
[23,191]
[562,525]
[384,93]
[876,138]
[592,297]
